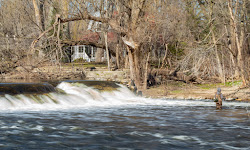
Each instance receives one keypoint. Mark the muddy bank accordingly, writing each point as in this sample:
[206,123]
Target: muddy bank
[178,90]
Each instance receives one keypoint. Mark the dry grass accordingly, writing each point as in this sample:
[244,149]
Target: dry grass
[180,90]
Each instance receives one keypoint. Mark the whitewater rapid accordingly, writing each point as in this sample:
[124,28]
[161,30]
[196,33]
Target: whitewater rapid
[78,96]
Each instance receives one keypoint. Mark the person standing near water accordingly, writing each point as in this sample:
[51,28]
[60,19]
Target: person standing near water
[218,99]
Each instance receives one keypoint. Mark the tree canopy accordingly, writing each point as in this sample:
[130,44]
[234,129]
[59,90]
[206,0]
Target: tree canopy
[201,38]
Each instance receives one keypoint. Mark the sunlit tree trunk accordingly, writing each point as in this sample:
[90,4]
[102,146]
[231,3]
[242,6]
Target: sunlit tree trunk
[146,72]
[220,70]
[37,15]
[131,64]
[239,39]
[117,56]
[65,12]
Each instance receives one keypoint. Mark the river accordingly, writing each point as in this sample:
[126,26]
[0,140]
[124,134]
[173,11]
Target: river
[82,117]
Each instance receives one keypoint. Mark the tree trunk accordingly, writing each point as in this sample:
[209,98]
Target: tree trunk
[232,53]
[99,55]
[107,50]
[239,45]
[37,15]
[42,3]
[243,54]
[104,6]
[131,64]
[137,66]
[117,56]
[39,22]
[65,12]
[164,60]
[126,62]
[146,72]
[220,70]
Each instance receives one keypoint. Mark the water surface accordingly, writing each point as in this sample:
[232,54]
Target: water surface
[85,118]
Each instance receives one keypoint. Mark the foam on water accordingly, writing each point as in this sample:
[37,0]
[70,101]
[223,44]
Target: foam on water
[77,95]
[38,127]
[182,137]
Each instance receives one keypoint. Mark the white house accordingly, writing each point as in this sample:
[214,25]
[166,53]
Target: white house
[83,51]
[87,52]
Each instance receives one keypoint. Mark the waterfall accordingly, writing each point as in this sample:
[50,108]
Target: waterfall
[66,94]
[84,94]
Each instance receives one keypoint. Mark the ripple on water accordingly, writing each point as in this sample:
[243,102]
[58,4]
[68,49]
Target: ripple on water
[54,142]
[136,133]
[20,121]
[75,128]
[158,135]
[54,136]
[13,127]
[164,141]
[182,137]
[38,127]
[15,132]
[228,145]
[93,132]
[4,127]
[190,138]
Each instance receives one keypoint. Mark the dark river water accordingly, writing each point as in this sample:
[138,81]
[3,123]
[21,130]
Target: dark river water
[84,118]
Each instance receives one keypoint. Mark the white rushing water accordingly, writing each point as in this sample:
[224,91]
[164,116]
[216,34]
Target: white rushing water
[77,95]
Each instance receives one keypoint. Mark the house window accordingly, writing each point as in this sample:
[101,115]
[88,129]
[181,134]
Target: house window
[80,49]
[94,51]
[74,50]
[98,27]
[87,50]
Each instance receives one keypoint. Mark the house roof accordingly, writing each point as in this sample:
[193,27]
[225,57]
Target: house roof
[96,36]
[91,37]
